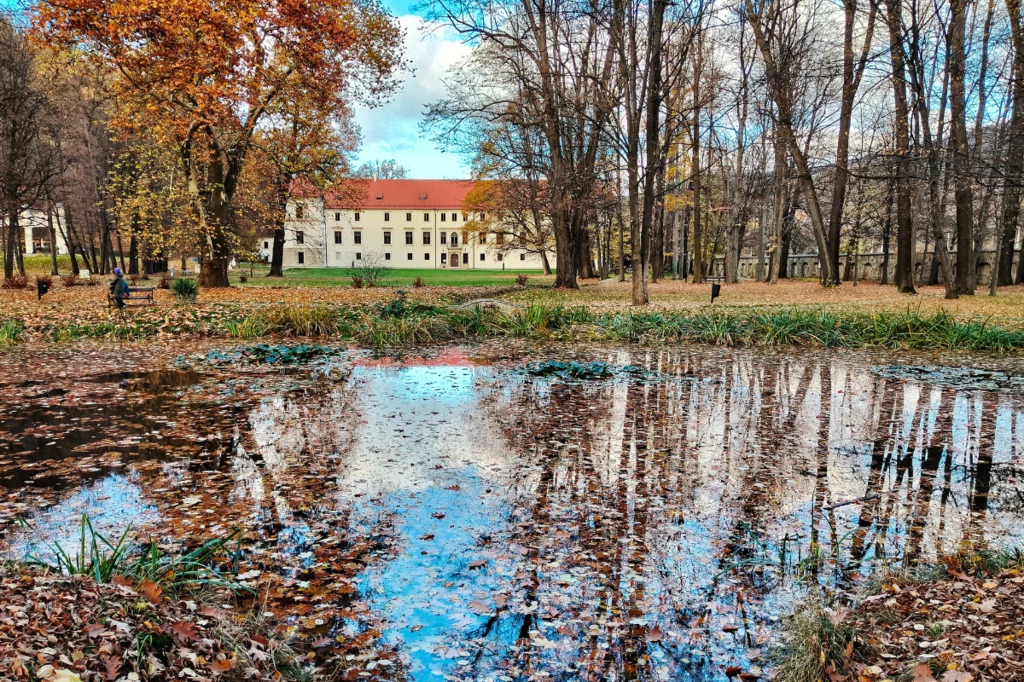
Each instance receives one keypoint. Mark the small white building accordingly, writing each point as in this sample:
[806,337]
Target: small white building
[37,231]
[402,223]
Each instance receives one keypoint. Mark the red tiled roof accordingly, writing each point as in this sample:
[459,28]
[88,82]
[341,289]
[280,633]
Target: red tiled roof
[411,194]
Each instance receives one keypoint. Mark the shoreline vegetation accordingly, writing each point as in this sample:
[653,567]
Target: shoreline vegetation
[401,321]
[388,317]
[958,620]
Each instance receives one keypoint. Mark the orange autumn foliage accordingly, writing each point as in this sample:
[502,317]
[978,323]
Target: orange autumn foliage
[210,77]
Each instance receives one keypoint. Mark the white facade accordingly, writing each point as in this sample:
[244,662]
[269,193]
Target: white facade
[318,236]
[37,231]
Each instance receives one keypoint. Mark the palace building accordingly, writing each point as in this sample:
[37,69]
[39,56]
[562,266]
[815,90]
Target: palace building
[401,224]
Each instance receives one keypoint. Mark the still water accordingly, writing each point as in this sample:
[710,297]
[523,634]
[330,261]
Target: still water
[469,515]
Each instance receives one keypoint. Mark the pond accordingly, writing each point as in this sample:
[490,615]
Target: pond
[484,513]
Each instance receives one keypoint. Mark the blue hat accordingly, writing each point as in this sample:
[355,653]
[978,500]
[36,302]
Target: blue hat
[117,271]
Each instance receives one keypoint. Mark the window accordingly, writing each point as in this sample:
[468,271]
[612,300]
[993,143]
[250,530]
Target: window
[300,237]
[387,237]
[359,256]
[266,245]
[482,257]
[426,239]
[483,216]
[463,217]
[337,236]
[483,237]
[387,217]
[499,257]
[426,217]
[444,237]
[357,217]
[302,258]
[299,211]
[408,237]
[499,238]
[455,238]
[426,256]
[408,256]
[522,256]
[357,237]
[337,217]
[465,259]
[444,217]
[444,258]
[387,256]
[455,217]
[408,217]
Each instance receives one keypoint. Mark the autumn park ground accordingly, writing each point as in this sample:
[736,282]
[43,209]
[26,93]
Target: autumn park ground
[910,577]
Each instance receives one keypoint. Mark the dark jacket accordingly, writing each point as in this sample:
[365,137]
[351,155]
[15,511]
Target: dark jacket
[119,287]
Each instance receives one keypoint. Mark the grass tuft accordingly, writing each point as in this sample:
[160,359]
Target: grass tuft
[813,643]
[185,289]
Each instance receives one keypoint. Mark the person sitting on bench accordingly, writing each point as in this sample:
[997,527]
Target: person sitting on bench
[119,288]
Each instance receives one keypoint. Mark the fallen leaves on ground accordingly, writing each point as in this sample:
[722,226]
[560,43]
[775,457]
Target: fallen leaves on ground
[953,630]
[66,629]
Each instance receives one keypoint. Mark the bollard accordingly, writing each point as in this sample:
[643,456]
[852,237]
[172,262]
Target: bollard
[716,291]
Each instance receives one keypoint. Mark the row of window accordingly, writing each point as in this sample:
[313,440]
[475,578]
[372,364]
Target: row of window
[357,237]
[387,256]
[300,213]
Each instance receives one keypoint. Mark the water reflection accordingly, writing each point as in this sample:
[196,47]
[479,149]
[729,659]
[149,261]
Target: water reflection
[471,521]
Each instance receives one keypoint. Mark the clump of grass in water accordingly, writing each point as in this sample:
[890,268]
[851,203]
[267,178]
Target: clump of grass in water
[252,327]
[298,320]
[102,559]
[812,641]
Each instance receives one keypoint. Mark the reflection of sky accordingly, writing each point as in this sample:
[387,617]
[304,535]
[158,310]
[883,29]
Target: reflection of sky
[430,583]
[112,503]
[424,450]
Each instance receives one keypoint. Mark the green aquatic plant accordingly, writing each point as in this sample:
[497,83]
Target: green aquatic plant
[101,559]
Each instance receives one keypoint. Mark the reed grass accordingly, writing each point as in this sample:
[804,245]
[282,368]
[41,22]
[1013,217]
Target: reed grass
[101,559]
[400,323]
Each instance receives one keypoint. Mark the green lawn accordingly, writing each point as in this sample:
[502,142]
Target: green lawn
[334,277]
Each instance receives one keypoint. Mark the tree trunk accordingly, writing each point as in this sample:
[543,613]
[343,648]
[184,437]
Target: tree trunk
[1014,164]
[887,235]
[851,83]
[904,219]
[54,267]
[12,236]
[68,240]
[277,253]
[961,150]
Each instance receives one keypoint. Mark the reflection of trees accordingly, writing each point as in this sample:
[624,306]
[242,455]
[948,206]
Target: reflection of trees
[657,487]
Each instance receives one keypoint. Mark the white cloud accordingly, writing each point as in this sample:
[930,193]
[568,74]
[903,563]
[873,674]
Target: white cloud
[391,131]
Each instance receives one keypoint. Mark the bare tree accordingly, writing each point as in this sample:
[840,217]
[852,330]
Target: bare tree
[28,161]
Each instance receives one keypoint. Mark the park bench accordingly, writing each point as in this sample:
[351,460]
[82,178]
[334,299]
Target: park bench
[137,296]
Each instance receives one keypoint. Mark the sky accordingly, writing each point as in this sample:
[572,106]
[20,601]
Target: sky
[392,131]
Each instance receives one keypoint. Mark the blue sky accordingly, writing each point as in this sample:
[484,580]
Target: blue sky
[392,131]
